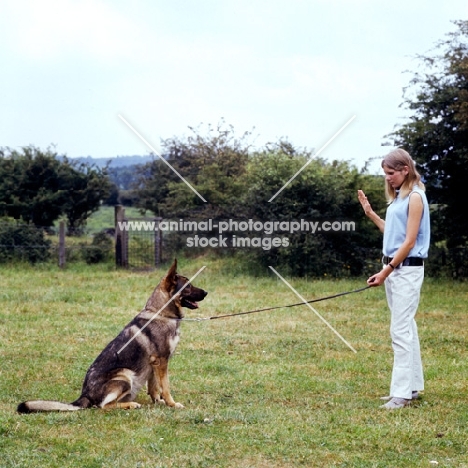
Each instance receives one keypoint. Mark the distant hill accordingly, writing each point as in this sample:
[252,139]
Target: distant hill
[118,161]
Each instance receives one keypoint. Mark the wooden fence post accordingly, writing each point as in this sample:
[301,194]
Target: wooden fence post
[62,259]
[121,238]
[157,243]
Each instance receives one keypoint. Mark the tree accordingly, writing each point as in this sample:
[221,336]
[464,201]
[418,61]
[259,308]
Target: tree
[83,187]
[322,192]
[37,187]
[151,186]
[437,134]
[213,164]
[29,186]
[237,183]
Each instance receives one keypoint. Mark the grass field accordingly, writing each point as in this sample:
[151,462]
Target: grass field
[104,218]
[275,389]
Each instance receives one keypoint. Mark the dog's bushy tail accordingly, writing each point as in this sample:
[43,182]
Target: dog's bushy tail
[40,406]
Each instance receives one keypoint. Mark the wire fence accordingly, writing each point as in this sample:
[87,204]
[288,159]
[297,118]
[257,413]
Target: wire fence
[147,249]
[139,249]
[34,244]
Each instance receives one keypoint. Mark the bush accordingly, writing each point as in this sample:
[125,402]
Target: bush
[23,242]
[100,249]
[445,262]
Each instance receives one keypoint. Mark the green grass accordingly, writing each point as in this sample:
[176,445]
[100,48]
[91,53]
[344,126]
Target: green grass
[105,218]
[275,389]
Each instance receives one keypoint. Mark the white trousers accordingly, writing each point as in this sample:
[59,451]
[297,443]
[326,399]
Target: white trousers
[403,287]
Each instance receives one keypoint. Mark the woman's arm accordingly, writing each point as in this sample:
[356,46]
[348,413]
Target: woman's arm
[370,213]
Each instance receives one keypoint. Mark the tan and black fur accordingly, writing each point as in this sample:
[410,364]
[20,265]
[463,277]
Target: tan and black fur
[115,378]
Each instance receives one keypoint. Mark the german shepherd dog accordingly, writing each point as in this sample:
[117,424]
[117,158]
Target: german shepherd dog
[139,355]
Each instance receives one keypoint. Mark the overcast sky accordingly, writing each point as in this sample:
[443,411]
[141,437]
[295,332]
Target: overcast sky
[294,69]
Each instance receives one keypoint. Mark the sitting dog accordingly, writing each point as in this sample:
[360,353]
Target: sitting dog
[139,355]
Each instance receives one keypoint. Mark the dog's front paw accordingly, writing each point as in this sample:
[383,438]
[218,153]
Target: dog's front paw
[179,405]
[157,399]
[133,405]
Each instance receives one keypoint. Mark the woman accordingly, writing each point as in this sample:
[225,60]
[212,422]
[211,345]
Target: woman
[406,233]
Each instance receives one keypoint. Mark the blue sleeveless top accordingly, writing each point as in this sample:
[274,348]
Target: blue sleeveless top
[395,227]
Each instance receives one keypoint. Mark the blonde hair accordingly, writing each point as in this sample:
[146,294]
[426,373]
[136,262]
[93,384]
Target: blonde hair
[397,160]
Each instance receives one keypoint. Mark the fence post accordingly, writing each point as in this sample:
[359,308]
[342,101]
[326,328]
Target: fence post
[121,238]
[157,243]
[62,244]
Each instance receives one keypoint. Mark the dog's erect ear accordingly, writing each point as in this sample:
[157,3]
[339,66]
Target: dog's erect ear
[170,280]
[167,284]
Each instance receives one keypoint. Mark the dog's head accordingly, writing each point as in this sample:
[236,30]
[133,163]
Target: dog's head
[179,291]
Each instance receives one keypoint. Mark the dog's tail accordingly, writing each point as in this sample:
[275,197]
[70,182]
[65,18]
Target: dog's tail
[40,406]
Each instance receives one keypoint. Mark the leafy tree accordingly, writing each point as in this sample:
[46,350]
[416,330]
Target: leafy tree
[83,187]
[437,132]
[321,192]
[238,184]
[38,188]
[114,196]
[213,164]
[29,186]
[151,186]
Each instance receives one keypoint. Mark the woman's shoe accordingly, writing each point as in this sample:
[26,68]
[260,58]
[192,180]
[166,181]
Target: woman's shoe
[396,403]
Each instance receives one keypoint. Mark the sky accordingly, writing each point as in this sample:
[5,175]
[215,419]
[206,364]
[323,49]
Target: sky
[281,69]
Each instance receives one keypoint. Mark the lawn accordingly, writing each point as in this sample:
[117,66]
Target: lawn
[104,218]
[274,389]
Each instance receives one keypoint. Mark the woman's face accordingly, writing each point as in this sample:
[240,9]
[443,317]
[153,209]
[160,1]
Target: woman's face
[395,178]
